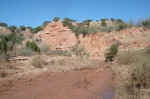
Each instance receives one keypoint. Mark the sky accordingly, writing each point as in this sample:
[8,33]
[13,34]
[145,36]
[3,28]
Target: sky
[35,12]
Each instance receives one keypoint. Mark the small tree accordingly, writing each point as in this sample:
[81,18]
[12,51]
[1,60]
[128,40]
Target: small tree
[68,22]
[3,24]
[112,52]
[22,28]
[56,19]
[80,30]
[87,22]
[32,45]
[112,19]
[12,28]
[121,26]
[103,22]
[120,21]
[8,43]
[37,29]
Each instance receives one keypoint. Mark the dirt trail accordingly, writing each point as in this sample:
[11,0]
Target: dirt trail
[84,84]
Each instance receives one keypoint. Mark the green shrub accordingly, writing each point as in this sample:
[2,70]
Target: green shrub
[32,45]
[103,22]
[92,30]
[107,29]
[119,21]
[121,26]
[38,61]
[144,23]
[79,51]
[37,29]
[12,28]
[8,43]
[86,22]
[80,30]
[56,19]
[3,24]
[111,53]
[68,22]
[22,28]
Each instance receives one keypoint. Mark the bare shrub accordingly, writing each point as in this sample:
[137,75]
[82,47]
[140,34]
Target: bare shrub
[59,53]
[43,47]
[38,61]
[138,64]
[79,51]
[25,52]
[125,58]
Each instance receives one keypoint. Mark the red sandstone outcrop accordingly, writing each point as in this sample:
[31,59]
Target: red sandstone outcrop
[57,36]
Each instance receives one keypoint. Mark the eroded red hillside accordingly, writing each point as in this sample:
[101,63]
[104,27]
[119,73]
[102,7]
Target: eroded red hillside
[59,37]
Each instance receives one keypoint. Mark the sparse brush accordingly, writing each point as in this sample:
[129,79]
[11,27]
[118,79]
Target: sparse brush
[140,68]
[32,45]
[125,58]
[56,19]
[43,47]
[79,51]
[111,53]
[25,52]
[38,61]
[59,53]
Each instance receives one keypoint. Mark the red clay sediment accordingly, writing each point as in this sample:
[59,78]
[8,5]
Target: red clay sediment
[84,84]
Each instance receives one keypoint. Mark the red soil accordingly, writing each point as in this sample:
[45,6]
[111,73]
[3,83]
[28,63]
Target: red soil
[83,84]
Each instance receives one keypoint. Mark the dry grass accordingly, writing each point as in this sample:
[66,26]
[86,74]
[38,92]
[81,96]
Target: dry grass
[38,61]
[71,63]
[132,70]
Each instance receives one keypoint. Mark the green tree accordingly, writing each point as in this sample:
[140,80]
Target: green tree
[121,26]
[12,28]
[32,45]
[87,22]
[23,28]
[3,24]
[145,23]
[80,30]
[56,19]
[68,22]
[37,29]
[120,21]
[8,43]
[103,22]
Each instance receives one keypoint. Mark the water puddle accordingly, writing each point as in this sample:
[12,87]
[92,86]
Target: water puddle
[108,93]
